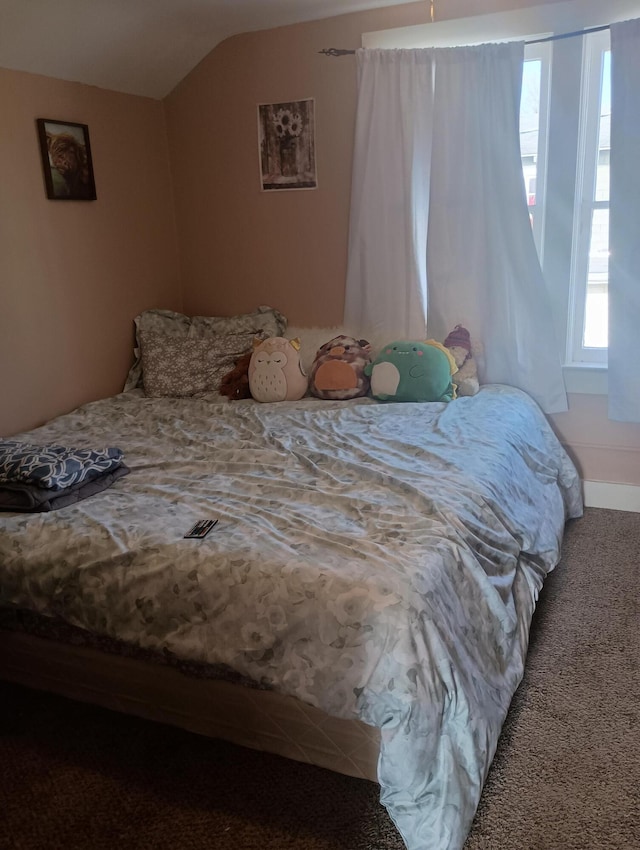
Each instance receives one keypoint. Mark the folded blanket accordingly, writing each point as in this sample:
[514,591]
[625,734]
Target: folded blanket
[53,467]
[24,497]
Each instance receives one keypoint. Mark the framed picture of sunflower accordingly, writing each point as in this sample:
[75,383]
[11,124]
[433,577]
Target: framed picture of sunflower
[286,134]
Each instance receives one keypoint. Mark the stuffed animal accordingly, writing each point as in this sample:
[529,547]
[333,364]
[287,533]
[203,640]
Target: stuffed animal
[275,370]
[338,368]
[412,371]
[235,384]
[466,378]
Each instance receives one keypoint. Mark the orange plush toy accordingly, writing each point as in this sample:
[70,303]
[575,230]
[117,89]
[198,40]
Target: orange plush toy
[235,384]
[338,368]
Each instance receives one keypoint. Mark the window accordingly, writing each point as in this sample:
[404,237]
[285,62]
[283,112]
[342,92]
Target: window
[564,134]
[584,200]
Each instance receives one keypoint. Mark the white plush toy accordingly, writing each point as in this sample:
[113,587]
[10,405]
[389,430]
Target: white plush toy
[466,378]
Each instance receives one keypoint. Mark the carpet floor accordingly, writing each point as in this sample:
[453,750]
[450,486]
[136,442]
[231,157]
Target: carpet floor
[566,775]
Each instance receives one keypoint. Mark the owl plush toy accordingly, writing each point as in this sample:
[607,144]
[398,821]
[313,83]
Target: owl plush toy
[275,370]
[338,368]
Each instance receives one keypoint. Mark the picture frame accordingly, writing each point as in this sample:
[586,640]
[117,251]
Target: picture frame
[286,145]
[66,160]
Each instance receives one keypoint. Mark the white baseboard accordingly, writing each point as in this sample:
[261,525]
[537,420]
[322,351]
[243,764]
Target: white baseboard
[619,497]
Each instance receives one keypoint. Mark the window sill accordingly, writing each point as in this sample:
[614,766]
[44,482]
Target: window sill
[587,378]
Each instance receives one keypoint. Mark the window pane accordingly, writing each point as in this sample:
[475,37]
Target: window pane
[596,319]
[529,128]
[597,302]
[604,134]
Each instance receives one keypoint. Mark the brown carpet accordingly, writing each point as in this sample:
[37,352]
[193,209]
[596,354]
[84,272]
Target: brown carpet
[566,774]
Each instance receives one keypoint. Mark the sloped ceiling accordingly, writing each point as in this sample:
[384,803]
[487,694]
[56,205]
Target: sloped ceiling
[142,47]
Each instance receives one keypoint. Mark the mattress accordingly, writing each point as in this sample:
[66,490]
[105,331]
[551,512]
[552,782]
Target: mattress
[376,562]
[251,717]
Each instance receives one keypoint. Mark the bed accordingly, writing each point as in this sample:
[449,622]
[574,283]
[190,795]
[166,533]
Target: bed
[363,601]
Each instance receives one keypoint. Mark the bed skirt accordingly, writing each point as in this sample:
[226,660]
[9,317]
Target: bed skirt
[259,719]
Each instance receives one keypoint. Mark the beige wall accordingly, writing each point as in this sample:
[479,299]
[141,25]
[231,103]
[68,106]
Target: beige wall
[603,450]
[74,274]
[241,247]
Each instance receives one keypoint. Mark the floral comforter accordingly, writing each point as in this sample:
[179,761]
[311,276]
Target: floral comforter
[381,562]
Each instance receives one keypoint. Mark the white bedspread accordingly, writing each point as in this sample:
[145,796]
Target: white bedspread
[377,561]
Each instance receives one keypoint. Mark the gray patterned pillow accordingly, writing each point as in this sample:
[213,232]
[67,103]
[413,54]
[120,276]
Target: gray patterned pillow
[182,367]
[265,321]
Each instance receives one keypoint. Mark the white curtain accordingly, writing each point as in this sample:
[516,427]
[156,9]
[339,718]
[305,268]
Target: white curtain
[624,224]
[482,266]
[387,266]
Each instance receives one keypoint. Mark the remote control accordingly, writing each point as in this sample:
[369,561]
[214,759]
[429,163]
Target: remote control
[201,528]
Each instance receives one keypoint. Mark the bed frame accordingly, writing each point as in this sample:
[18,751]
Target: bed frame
[259,719]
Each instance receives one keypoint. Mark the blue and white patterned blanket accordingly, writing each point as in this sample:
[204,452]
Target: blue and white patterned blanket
[380,562]
[53,467]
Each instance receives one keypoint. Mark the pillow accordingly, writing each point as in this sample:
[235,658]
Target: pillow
[183,367]
[264,322]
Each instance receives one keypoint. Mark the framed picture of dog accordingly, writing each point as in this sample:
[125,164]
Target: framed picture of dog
[66,160]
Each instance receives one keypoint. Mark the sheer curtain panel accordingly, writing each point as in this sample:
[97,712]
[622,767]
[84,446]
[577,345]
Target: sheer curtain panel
[387,267]
[483,268]
[437,149]
[624,224]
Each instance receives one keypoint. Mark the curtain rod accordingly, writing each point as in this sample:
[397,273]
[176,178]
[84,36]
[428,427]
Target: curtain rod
[335,51]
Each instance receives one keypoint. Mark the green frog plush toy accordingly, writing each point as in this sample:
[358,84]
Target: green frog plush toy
[412,371]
